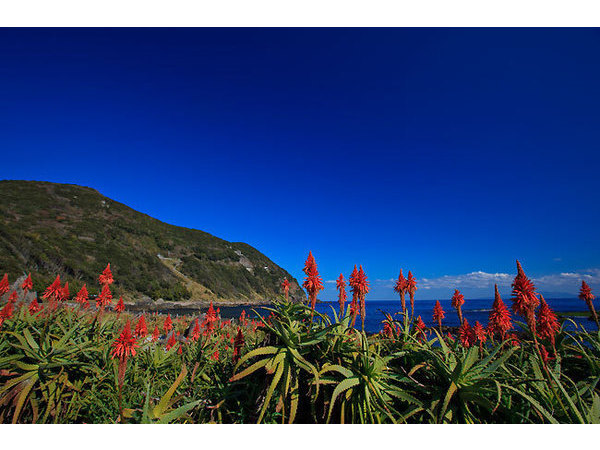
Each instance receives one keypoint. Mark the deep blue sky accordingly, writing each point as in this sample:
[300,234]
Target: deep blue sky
[444,151]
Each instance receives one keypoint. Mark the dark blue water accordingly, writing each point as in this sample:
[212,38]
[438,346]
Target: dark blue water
[473,310]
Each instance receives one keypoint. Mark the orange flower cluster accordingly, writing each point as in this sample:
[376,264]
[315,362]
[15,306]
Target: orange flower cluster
[340,285]
[120,306]
[27,284]
[438,314]
[411,288]
[400,287]
[313,283]
[524,298]
[547,323]
[286,288]
[4,285]
[457,301]
[466,334]
[586,295]
[499,319]
[140,329]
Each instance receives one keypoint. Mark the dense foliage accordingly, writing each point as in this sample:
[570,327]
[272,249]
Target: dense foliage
[58,365]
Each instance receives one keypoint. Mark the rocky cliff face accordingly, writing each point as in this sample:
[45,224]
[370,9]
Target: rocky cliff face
[74,231]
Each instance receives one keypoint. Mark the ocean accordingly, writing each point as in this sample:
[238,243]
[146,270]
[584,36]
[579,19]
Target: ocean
[473,310]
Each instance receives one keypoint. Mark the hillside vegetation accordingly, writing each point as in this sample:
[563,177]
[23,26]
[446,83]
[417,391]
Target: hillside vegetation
[51,229]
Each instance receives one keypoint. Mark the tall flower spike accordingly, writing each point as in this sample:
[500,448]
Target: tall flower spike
[457,301]
[52,292]
[124,348]
[438,314]
[400,287]
[171,341]
[64,293]
[586,295]
[6,312]
[286,288]
[499,319]
[120,306]
[411,287]
[466,335]
[352,282]
[196,331]
[524,298]
[363,288]
[340,284]
[34,306]
[27,284]
[4,285]
[479,333]
[106,277]
[547,324]
[168,324]
[420,327]
[155,333]
[140,329]
[104,298]
[82,295]
[313,283]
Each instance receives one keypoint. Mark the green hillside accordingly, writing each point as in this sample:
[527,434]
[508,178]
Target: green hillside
[50,229]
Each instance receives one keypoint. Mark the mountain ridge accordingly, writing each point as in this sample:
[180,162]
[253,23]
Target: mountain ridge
[56,228]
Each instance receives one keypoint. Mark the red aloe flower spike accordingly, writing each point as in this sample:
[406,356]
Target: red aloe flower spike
[180,350]
[155,333]
[125,345]
[82,295]
[286,288]
[438,314]
[401,287]
[547,324]
[104,298]
[168,324]
[457,301]
[411,287]
[586,295]
[466,335]
[106,277]
[6,312]
[27,284]
[52,292]
[196,331]
[120,306]
[4,285]
[313,283]
[479,333]
[124,348]
[352,282]
[238,344]
[524,299]
[34,306]
[243,317]
[499,320]
[420,327]
[13,297]
[140,329]
[340,285]
[210,319]
[215,355]
[171,341]
[363,288]
[64,293]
